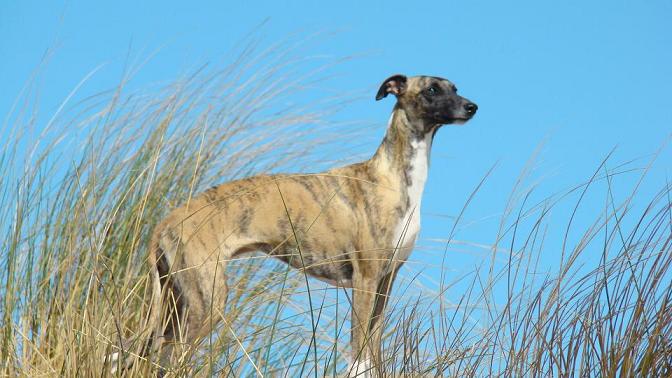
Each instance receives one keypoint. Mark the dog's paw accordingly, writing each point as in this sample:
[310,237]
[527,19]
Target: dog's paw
[112,360]
[361,369]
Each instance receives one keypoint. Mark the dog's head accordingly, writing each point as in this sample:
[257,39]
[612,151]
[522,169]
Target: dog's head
[431,100]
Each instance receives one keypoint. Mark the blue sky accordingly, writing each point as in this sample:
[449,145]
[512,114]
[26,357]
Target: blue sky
[580,77]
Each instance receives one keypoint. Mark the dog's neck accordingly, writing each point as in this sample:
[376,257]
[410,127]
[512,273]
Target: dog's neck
[405,151]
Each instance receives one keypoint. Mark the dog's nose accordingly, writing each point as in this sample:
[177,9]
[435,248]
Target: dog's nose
[471,108]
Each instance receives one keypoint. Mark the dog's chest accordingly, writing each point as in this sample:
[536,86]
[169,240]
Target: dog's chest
[408,226]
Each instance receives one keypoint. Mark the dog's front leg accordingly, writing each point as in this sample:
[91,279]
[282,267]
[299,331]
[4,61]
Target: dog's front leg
[370,296]
[363,348]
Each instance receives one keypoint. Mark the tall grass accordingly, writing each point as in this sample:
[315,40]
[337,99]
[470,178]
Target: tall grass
[77,207]
[79,202]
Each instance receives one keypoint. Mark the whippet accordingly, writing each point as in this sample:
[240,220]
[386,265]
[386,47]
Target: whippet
[351,226]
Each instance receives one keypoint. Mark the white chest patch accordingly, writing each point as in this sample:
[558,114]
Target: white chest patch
[408,228]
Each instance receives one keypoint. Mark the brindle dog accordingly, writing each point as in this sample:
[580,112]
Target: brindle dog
[351,226]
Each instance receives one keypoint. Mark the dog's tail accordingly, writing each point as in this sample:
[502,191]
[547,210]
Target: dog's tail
[154,320]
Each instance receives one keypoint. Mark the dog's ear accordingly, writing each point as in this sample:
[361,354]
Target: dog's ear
[394,84]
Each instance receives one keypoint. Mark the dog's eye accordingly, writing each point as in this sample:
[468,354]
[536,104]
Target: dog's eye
[432,91]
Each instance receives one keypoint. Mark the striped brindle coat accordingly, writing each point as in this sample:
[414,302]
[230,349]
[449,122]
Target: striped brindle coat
[351,226]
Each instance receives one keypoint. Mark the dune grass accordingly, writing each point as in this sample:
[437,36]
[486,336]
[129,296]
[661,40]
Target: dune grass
[78,202]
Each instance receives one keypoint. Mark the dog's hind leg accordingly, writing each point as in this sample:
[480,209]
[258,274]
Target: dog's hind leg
[193,288]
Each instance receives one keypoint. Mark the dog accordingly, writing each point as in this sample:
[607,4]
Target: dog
[352,227]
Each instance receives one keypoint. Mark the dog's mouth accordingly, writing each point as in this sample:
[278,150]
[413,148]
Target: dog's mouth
[459,120]
[448,119]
